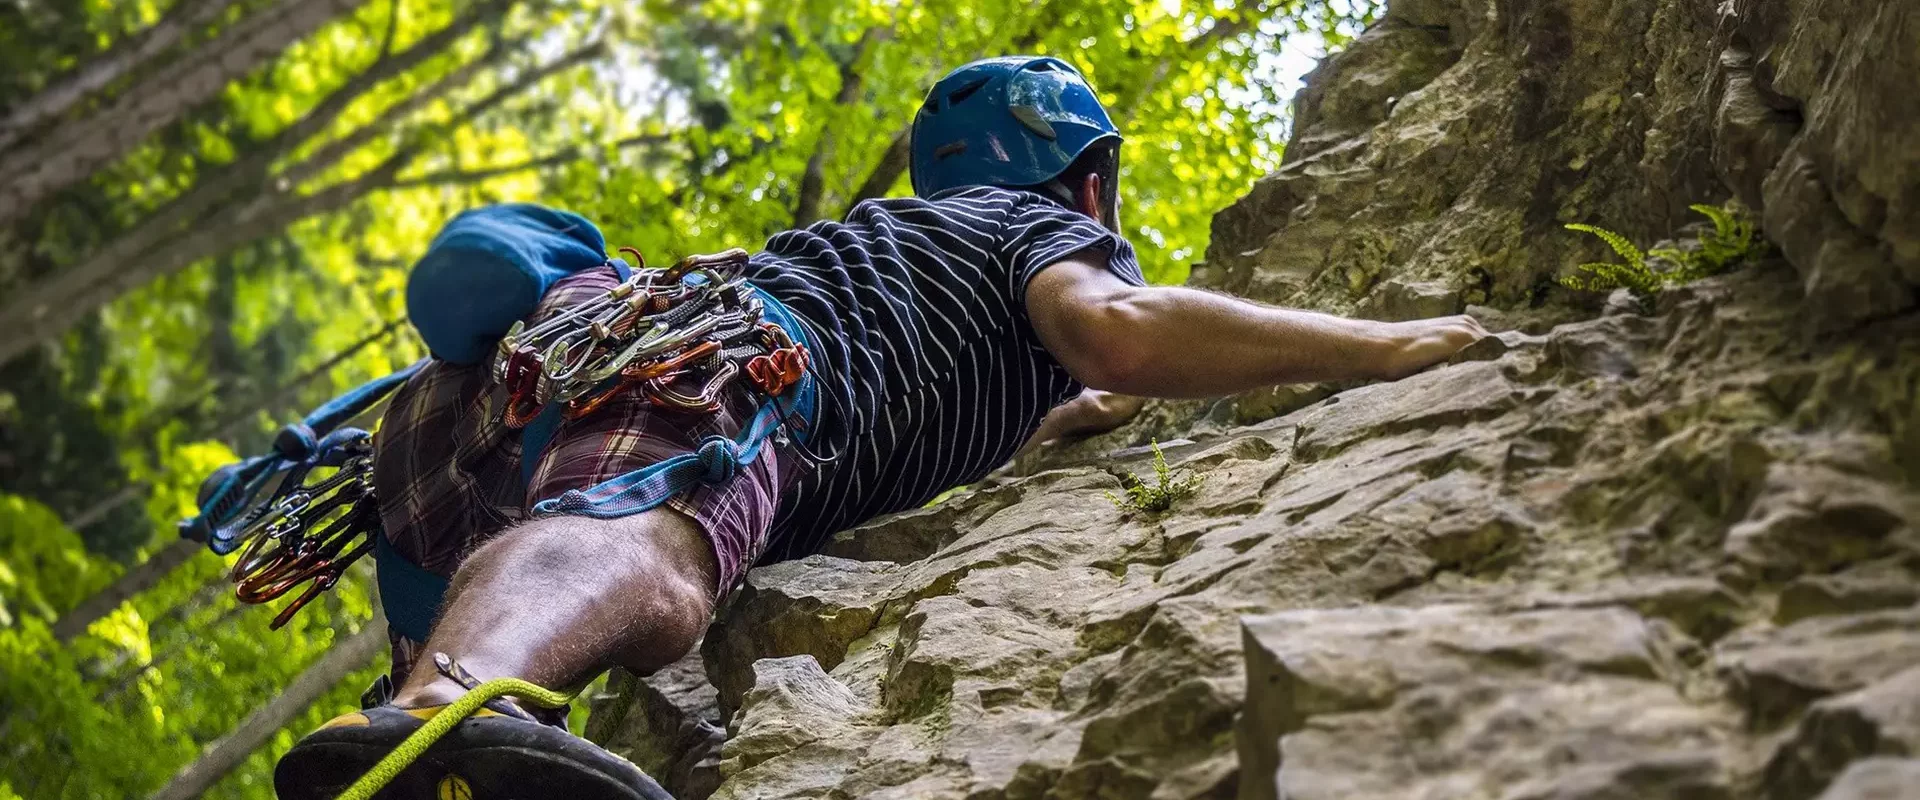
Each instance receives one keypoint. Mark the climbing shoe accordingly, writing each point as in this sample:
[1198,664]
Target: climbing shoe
[488,756]
[482,747]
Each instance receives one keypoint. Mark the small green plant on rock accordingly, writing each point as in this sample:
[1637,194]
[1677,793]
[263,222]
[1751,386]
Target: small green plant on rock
[1730,244]
[1605,276]
[1161,496]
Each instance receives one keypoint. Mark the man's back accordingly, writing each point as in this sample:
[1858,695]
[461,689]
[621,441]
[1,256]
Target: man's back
[917,310]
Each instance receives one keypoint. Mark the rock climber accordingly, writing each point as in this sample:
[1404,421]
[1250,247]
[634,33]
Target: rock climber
[997,305]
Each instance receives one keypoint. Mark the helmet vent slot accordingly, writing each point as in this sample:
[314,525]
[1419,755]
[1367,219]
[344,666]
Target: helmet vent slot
[961,94]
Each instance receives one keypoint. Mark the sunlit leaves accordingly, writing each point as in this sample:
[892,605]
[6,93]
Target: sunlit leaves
[692,135]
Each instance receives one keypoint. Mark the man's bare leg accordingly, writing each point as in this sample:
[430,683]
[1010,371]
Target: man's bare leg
[560,599]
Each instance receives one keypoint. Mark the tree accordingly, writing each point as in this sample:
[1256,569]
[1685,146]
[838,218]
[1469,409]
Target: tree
[245,197]
[68,152]
[229,751]
[127,56]
[196,273]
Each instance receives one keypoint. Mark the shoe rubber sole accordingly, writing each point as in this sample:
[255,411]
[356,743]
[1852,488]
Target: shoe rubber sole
[455,770]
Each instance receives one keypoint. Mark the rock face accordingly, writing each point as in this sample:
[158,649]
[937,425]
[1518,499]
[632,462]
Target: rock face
[1607,554]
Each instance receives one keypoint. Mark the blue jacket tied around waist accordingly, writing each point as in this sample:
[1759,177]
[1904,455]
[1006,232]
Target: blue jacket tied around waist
[489,267]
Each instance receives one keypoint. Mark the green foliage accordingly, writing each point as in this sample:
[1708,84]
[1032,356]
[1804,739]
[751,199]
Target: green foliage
[947,495]
[1165,491]
[691,132]
[117,711]
[1730,244]
[43,567]
[1605,276]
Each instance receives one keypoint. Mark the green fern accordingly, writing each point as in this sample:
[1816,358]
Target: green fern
[1161,496]
[1731,244]
[1603,276]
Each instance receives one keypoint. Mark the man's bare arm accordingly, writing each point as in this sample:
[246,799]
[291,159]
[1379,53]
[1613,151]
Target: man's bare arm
[1164,341]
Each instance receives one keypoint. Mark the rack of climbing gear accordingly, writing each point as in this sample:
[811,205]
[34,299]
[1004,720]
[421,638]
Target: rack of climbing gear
[694,323]
[302,513]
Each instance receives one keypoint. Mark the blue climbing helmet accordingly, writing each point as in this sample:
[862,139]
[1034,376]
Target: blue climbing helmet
[1014,121]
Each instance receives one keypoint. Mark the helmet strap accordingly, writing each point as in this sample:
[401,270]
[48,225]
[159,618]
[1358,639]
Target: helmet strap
[1058,192]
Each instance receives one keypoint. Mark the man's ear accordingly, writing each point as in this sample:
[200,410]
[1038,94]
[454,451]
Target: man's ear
[1090,197]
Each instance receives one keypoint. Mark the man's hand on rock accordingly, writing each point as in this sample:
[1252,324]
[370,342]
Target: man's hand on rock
[1422,343]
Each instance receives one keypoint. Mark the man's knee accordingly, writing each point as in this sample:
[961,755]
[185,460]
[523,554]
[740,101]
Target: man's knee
[659,560]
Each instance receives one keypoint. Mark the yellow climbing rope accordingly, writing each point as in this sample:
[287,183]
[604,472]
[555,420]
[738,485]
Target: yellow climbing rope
[410,748]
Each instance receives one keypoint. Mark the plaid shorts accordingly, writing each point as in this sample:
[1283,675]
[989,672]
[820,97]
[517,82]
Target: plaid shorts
[448,475]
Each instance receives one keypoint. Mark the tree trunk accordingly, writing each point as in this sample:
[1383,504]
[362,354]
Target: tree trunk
[806,207]
[139,579]
[129,55]
[466,177]
[47,308]
[274,211]
[149,572]
[232,750]
[279,398]
[71,295]
[329,154]
[885,173]
[71,151]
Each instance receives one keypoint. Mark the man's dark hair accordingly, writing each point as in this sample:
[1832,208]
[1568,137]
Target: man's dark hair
[1102,160]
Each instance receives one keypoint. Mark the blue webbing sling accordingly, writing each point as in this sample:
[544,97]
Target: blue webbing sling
[317,440]
[487,269]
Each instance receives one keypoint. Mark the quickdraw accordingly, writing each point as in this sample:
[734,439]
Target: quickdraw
[310,532]
[678,337]
[693,322]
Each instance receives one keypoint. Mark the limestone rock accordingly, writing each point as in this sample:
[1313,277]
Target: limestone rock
[1839,201]
[1818,517]
[1396,300]
[1871,586]
[1451,701]
[797,729]
[1773,674]
[1610,552]
[1881,719]
[668,724]
[1877,779]
[815,606]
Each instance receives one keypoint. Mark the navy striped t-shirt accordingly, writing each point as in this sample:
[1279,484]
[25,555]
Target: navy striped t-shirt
[916,310]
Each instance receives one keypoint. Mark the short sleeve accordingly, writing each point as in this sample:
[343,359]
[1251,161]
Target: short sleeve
[1039,233]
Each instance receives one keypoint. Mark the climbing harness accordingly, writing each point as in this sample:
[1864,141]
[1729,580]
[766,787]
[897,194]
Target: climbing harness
[697,323]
